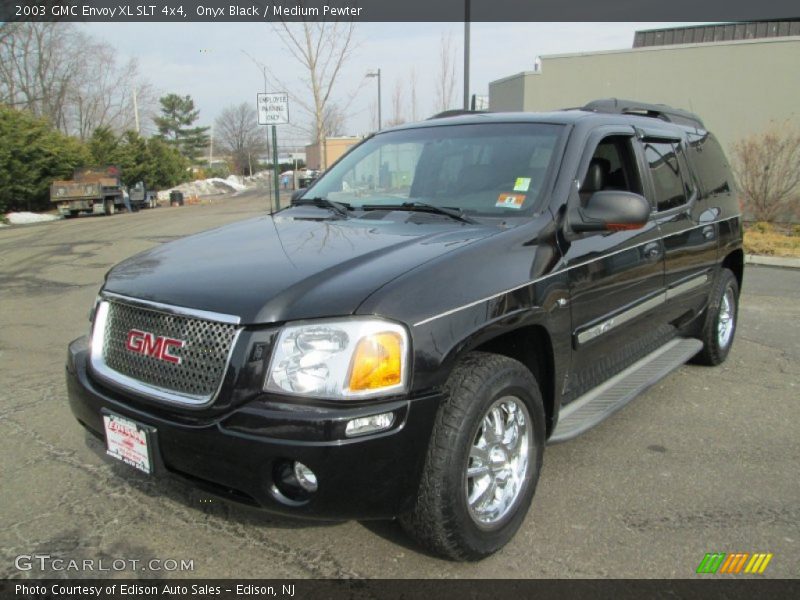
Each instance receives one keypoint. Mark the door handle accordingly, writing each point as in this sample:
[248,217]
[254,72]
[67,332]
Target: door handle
[652,251]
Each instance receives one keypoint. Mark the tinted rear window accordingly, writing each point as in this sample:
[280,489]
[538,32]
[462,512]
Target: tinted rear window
[710,164]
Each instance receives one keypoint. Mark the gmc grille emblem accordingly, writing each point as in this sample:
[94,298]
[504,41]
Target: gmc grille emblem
[157,346]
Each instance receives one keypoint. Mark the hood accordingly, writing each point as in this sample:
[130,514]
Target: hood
[288,266]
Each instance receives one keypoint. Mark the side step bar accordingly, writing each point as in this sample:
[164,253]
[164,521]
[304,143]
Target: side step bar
[598,404]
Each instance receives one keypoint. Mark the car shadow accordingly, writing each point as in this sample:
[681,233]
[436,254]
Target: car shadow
[392,531]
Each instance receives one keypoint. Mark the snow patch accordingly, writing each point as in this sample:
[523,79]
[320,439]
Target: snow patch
[24,218]
[210,187]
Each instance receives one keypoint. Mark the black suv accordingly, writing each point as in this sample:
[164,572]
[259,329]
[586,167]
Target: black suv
[404,339]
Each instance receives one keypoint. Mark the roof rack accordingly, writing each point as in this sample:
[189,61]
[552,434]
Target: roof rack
[617,106]
[457,112]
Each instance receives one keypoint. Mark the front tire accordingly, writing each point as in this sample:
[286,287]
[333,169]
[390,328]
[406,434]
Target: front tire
[719,326]
[483,461]
[110,208]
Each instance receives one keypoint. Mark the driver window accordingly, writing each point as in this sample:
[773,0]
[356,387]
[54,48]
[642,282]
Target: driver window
[612,167]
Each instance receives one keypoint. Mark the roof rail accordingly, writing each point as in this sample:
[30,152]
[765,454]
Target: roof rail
[457,112]
[617,106]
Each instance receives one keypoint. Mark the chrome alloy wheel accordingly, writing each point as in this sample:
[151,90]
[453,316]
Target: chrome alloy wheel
[497,466]
[726,318]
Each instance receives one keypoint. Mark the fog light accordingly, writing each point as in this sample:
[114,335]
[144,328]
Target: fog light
[305,477]
[371,424]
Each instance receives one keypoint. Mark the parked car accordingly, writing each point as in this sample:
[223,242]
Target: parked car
[406,337]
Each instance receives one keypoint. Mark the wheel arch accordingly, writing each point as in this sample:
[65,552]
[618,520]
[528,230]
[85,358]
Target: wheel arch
[532,346]
[735,262]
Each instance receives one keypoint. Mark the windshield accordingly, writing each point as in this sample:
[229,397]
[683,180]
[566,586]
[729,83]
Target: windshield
[489,169]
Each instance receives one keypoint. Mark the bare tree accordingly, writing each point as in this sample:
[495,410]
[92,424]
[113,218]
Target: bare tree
[55,71]
[373,112]
[38,65]
[767,166]
[446,74]
[397,105]
[237,133]
[321,49]
[104,96]
[333,121]
[412,92]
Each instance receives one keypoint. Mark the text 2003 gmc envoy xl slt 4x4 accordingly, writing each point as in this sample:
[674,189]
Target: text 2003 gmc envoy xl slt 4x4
[404,339]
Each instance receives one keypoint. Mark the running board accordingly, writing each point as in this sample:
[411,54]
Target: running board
[603,401]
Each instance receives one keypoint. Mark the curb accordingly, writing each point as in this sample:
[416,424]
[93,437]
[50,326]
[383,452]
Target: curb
[772,261]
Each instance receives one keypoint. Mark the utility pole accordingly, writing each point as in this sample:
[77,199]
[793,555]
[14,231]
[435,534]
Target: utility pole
[466,54]
[377,73]
[135,110]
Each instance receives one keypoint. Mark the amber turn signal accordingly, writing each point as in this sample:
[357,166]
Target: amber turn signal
[377,362]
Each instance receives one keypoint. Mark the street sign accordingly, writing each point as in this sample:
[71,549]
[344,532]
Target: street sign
[273,109]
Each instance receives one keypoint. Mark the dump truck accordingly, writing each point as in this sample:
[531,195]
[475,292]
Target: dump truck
[96,190]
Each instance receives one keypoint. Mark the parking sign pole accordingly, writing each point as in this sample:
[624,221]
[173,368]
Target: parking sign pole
[273,109]
[275,170]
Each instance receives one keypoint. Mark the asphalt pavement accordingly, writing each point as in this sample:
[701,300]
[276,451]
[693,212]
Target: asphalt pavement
[708,460]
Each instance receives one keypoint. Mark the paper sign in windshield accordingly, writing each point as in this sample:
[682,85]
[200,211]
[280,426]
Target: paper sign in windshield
[510,200]
[522,184]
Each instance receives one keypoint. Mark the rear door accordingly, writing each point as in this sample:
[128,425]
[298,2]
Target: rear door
[688,226]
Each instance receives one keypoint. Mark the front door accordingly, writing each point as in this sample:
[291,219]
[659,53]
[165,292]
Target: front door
[616,278]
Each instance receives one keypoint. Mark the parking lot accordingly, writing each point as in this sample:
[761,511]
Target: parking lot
[706,461]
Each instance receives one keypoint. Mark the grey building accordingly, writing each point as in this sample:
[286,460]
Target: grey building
[739,79]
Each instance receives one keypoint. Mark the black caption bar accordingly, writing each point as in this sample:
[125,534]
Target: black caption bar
[395,10]
[225,589]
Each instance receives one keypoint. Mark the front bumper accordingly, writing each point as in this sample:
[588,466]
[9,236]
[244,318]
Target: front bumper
[239,454]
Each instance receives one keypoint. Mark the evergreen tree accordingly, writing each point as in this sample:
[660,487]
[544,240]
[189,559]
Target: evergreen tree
[32,155]
[175,125]
[169,168]
[104,147]
[152,161]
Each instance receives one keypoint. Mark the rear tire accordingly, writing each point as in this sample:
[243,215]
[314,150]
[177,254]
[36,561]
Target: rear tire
[483,461]
[720,322]
[110,208]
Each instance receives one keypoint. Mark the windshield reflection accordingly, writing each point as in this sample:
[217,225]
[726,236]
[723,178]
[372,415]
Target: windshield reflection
[489,169]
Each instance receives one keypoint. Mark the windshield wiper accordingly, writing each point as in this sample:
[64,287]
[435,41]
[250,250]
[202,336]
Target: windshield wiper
[453,213]
[340,208]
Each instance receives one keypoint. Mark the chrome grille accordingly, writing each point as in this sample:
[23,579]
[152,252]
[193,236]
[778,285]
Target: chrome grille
[203,358]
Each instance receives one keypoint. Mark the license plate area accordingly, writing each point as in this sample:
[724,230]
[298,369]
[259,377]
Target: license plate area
[129,441]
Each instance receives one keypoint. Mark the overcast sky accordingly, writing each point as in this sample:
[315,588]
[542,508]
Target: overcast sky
[206,60]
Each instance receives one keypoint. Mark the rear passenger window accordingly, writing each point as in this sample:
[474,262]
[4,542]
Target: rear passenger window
[669,187]
[710,164]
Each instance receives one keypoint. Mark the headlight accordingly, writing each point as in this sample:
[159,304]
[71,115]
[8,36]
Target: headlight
[345,358]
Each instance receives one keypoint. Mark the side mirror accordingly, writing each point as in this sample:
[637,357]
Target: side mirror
[613,210]
[297,193]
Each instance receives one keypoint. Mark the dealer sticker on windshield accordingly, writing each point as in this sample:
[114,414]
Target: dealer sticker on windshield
[127,441]
[522,184]
[510,200]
